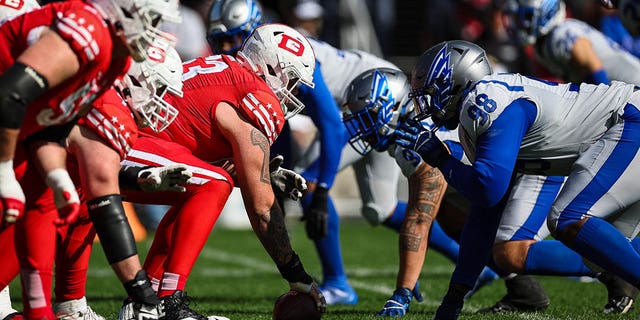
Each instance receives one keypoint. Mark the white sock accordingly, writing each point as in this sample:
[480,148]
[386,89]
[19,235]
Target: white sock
[5,303]
[70,306]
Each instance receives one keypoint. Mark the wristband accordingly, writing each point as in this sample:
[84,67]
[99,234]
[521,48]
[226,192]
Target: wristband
[293,271]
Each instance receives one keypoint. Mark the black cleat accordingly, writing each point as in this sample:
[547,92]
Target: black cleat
[524,294]
[620,294]
[176,306]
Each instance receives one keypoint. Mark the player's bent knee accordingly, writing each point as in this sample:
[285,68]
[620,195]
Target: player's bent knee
[112,226]
[374,214]
[510,256]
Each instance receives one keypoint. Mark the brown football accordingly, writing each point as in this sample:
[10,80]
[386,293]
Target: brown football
[294,305]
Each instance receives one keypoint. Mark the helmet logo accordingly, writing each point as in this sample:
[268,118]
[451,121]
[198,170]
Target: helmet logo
[155,54]
[15,4]
[439,77]
[292,45]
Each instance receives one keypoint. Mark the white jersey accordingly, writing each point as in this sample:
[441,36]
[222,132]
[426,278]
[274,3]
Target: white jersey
[10,9]
[340,67]
[554,51]
[569,118]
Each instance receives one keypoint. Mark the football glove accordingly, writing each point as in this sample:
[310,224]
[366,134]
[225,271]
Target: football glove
[312,290]
[167,178]
[416,292]
[397,305]
[11,195]
[412,135]
[316,215]
[407,159]
[64,195]
[285,182]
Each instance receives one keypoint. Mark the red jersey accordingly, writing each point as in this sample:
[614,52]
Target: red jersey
[112,120]
[88,35]
[207,81]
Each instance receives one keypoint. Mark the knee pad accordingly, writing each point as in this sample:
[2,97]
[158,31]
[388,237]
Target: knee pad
[112,226]
[374,214]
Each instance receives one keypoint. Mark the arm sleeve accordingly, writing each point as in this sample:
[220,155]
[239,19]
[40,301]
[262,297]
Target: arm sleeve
[487,180]
[325,114]
[476,242]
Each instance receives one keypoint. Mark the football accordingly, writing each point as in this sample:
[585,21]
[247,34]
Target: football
[294,305]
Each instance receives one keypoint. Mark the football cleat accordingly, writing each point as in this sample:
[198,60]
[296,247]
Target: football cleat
[138,311]
[524,294]
[339,295]
[14,316]
[176,307]
[620,294]
[86,314]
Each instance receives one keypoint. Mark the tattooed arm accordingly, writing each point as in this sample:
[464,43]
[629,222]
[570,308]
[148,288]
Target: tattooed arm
[251,159]
[426,189]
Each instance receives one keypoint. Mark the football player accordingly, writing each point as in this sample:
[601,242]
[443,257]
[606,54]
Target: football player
[510,124]
[97,144]
[230,21]
[92,43]
[230,114]
[570,48]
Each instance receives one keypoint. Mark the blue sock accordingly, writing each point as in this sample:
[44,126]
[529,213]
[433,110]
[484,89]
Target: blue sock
[551,257]
[601,243]
[397,217]
[329,251]
[441,242]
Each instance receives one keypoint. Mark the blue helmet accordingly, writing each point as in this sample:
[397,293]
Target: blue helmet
[442,76]
[529,19]
[375,100]
[230,23]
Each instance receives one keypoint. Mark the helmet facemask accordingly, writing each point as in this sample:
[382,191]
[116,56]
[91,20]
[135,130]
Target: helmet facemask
[372,120]
[230,23]
[146,84]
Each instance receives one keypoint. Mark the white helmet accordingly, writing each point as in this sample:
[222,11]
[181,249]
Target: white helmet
[8,11]
[137,21]
[529,19]
[147,82]
[284,58]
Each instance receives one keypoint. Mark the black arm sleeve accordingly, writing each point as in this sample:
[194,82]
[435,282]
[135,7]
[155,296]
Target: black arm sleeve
[19,86]
[128,178]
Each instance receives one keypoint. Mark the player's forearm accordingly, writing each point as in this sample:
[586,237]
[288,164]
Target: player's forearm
[426,189]
[270,229]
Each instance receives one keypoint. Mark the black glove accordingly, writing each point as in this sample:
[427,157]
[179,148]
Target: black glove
[316,215]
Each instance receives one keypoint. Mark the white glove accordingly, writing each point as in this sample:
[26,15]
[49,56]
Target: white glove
[64,195]
[168,178]
[312,290]
[11,195]
[285,182]
[407,159]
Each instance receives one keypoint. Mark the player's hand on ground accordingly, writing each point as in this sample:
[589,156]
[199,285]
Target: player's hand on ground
[286,182]
[65,196]
[168,178]
[11,195]
[397,305]
[312,290]
[316,215]
[412,135]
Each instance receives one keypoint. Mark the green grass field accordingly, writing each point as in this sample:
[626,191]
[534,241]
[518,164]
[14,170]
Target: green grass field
[235,278]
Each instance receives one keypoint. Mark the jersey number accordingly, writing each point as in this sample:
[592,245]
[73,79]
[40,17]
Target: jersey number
[482,108]
[210,64]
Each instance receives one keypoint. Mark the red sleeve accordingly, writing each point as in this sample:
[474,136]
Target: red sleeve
[85,32]
[263,111]
[113,122]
